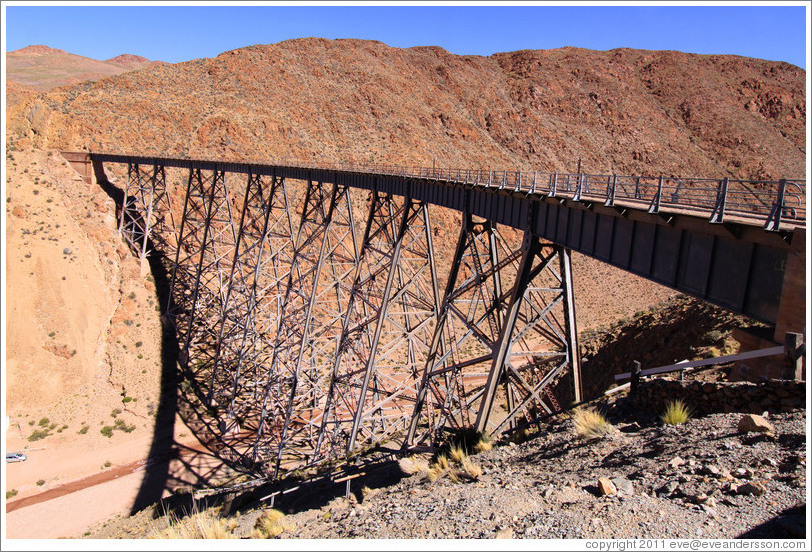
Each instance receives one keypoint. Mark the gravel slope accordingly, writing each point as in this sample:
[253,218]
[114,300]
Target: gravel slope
[704,479]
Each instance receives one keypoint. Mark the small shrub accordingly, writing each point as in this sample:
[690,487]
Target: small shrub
[520,436]
[107,464]
[589,423]
[38,434]
[44,422]
[123,427]
[11,494]
[107,431]
[676,413]
[115,412]
[126,399]
[83,430]
[713,336]
[138,343]
[40,483]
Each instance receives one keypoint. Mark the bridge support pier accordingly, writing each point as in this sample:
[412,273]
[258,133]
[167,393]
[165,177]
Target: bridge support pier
[792,307]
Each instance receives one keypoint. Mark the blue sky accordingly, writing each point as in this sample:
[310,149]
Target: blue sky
[190,31]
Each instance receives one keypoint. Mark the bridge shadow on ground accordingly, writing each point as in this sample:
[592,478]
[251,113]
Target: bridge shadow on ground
[170,464]
[680,328]
[789,524]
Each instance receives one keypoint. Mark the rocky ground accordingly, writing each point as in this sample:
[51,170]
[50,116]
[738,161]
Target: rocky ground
[703,479]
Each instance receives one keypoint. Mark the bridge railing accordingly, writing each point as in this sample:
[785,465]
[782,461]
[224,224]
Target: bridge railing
[767,202]
[770,202]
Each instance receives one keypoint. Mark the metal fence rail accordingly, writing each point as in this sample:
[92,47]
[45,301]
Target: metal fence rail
[773,204]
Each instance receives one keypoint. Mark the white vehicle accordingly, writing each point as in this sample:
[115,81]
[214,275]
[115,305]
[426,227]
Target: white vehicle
[15,457]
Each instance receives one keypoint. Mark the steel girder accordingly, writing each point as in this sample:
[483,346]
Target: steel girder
[301,343]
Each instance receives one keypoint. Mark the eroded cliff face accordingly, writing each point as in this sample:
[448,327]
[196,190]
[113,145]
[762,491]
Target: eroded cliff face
[625,111]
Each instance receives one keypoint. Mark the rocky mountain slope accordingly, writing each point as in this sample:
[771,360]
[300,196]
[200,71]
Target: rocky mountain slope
[703,479]
[625,111]
[42,68]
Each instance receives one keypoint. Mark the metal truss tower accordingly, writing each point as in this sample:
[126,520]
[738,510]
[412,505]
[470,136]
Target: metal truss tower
[312,321]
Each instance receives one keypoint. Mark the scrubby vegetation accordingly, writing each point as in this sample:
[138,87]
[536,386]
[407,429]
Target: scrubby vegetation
[199,525]
[590,424]
[676,413]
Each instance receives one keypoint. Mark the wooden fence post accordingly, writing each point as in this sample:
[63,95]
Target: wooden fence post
[794,351]
[635,378]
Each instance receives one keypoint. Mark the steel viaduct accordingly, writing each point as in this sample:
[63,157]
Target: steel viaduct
[319,318]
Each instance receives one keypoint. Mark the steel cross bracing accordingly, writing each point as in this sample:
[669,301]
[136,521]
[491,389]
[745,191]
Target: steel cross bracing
[312,325]
[146,209]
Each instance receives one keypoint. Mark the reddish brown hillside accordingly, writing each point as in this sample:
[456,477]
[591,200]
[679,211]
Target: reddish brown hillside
[624,110]
[42,68]
[128,61]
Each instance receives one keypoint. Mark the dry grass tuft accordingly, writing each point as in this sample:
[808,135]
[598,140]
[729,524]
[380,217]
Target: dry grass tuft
[413,465]
[199,525]
[676,413]
[457,467]
[456,454]
[589,423]
[484,444]
[471,470]
[270,525]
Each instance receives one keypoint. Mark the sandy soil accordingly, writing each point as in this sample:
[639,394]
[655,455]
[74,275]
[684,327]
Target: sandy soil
[82,344]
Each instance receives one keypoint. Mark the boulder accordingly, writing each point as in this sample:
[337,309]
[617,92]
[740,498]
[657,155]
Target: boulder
[623,485]
[751,488]
[606,487]
[755,423]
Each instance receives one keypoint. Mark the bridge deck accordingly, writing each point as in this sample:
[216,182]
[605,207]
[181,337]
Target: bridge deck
[725,241]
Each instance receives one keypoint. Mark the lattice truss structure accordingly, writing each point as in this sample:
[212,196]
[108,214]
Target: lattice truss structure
[312,322]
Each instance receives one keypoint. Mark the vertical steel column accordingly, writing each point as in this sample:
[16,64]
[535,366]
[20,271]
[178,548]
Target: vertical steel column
[538,341]
[470,318]
[573,352]
[439,329]
[266,283]
[529,250]
[237,311]
[317,212]
[382,315]
[143,207]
